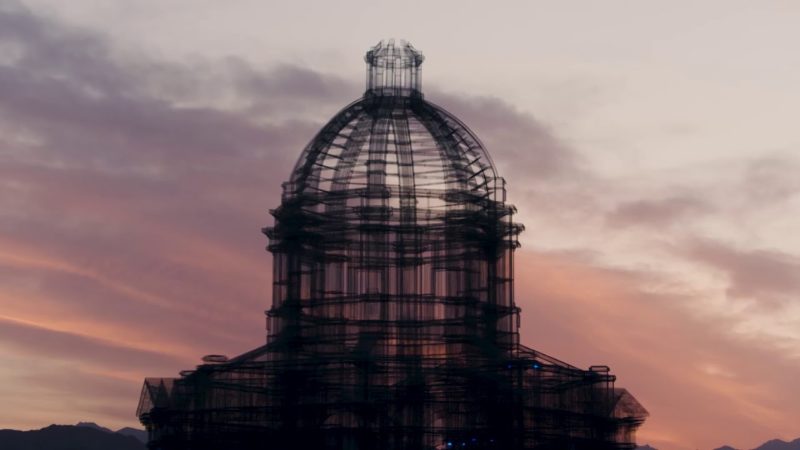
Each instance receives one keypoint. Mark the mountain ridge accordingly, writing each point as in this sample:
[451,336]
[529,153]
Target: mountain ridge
[67,437]
[91,436]
[139,434]
[774,444]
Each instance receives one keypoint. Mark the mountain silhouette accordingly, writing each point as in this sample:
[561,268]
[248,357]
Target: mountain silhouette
[141,435]
[68,437]
[775,444]
[93,425]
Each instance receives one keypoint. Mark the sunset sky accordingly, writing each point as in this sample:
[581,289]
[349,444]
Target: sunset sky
[651,148]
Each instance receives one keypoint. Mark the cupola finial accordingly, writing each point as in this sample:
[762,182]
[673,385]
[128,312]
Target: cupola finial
[393,69]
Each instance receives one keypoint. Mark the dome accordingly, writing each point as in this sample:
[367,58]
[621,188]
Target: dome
[393,141]
[395,146]
[392,212]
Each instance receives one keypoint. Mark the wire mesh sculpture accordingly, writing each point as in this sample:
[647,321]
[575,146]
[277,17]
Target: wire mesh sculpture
[393,324]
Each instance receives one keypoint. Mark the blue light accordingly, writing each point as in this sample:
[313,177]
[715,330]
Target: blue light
[510,366]
[536,366]
[449,444]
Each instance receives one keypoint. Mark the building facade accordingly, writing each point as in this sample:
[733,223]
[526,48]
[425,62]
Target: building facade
[393,323]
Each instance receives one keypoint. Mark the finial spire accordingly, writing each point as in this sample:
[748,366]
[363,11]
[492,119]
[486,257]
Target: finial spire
[393,69]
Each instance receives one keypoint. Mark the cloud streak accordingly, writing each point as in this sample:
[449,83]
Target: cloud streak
[657,212]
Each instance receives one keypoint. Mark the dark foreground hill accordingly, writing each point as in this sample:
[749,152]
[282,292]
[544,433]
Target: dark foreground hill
[67,437]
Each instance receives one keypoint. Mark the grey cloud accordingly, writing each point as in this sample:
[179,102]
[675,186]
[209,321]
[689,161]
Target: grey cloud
[288,87]
[658,212]
[91,106]
[56,51]
[545,176]
[771,277]
[771,179]
[522,146]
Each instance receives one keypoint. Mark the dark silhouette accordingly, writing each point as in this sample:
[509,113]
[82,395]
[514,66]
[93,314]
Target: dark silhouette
[93,425]
[140,435]
[67,437]
[777,444]
[393,323]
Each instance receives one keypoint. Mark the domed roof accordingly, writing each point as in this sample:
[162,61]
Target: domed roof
[394,142]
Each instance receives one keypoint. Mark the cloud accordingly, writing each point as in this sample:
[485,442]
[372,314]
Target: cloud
[769,276]
[129,219]
[55,344]
[657,212]
[772,179]
[693,375]
[524,148]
